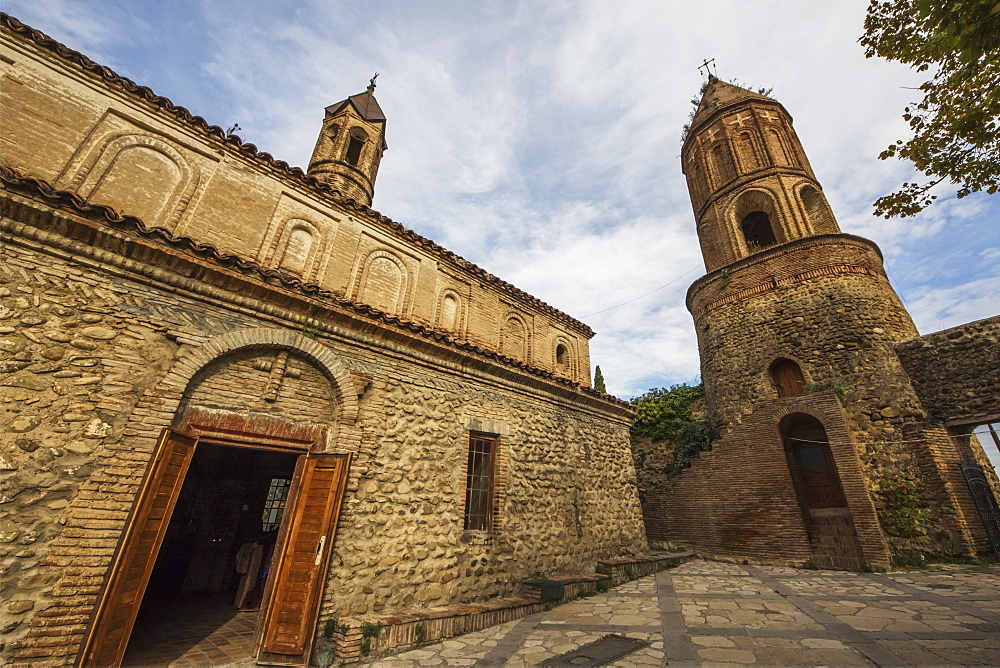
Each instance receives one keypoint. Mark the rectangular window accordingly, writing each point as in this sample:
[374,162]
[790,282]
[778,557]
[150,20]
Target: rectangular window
[274,506]
[479,483]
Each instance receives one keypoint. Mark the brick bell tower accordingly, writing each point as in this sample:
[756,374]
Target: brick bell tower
[350,145]
[796,325]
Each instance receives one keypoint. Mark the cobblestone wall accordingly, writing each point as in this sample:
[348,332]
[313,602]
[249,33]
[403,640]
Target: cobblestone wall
[956,371]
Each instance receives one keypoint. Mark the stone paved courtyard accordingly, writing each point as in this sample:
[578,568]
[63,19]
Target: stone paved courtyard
[713,613]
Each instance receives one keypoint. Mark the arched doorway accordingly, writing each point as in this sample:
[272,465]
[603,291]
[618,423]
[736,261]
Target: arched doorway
[237,509]
[833,539]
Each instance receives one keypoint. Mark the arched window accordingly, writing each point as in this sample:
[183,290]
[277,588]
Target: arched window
[757,231]
[562,359]
[355,143]
[787,378]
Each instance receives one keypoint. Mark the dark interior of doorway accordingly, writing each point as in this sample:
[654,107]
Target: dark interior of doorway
[205,589]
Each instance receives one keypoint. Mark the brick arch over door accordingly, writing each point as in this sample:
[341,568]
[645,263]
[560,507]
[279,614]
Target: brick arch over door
[176,381]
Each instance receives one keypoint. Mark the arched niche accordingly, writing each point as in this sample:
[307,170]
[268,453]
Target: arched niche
[450,311]
[138,175]
[747,152]
[817,210]
[299,247]
[514,338]
[383,283]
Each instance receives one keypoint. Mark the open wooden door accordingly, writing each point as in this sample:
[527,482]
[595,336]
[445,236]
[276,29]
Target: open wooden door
[111,625]
[295,588]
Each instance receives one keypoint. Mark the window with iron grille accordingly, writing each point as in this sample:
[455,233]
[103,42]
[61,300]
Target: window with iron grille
[479,483]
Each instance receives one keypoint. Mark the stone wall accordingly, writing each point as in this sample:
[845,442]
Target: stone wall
[106,342]
[956,371]
[88,131]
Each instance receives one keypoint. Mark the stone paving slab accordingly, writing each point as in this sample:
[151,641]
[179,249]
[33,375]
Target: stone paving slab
[712,613]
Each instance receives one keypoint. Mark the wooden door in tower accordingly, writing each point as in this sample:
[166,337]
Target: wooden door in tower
[833,539]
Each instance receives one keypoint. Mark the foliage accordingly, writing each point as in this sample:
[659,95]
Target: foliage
[903,513]
[840,389]
[368,632]
[599,380]
[956,126]
[665,415]
[420,631]
[660,412]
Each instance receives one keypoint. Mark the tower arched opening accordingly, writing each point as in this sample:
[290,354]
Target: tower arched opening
[355,143]
[757,230]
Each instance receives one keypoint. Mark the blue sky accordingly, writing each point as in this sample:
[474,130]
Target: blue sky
[541,139]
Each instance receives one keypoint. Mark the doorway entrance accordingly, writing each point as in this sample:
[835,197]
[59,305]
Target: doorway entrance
[833,539]
[212,568]
[195,531]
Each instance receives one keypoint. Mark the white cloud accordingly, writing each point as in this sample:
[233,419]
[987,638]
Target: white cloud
[541,139]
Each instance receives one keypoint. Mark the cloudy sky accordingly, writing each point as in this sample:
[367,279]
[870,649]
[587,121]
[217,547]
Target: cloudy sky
[540,139]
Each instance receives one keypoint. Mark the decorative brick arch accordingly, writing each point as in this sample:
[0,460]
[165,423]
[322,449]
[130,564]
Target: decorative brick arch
[176,381]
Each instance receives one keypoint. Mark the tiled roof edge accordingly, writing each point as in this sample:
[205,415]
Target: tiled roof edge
[41,190]
[250,150]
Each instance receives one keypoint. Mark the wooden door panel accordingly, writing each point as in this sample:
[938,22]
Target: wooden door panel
[133,562]
[293,593]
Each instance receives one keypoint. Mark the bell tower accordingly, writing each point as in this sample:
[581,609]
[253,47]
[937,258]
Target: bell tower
[350,145]
[750,183]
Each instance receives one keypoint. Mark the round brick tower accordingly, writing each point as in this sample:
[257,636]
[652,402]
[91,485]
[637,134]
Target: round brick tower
[350,146]
[797,329]
[790,303]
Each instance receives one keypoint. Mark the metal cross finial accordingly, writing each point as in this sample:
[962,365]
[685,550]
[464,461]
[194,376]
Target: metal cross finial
[371,82]
[709,68]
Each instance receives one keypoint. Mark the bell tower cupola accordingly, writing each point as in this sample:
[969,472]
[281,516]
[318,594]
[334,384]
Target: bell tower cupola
[750,183]
[350,145]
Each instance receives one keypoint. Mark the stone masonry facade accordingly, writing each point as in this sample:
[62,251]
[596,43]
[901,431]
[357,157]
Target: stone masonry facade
[114,327]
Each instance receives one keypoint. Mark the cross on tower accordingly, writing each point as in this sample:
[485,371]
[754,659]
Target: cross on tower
[709,68]
[740,119]
[766,115]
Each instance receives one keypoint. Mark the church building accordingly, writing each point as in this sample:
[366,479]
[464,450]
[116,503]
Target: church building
[227,379]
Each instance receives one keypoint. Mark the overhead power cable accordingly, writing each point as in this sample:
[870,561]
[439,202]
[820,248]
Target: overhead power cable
[665,285]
